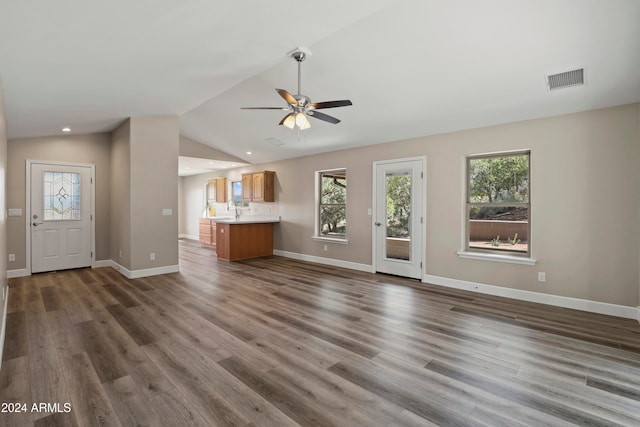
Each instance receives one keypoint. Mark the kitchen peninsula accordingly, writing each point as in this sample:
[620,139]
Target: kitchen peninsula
[244,237]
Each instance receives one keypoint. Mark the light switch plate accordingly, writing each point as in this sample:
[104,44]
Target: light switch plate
[167,212]
[14,212]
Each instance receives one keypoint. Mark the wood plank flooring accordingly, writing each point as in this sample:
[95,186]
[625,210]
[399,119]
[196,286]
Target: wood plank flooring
[279,342]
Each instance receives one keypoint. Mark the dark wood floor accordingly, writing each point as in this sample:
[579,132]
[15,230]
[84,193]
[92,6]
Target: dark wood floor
[281,342]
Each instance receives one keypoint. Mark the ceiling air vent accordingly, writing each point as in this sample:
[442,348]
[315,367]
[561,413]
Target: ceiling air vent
[566,79]
[274,141]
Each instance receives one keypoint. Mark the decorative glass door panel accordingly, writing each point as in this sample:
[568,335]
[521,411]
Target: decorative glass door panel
[62,196]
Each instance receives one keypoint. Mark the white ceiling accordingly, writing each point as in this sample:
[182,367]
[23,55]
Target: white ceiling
[194,165]
[411,67]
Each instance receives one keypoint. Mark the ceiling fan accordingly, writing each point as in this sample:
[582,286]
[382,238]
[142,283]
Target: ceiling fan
[300,106]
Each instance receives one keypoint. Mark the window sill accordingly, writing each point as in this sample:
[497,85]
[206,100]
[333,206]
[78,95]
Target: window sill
[497,258]
[330,240]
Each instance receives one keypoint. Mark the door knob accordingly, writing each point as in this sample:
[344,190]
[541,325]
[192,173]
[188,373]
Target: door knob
[37,223]
[378,224]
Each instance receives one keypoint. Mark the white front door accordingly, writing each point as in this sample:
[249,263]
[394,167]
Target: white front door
[60,216]
[399,218]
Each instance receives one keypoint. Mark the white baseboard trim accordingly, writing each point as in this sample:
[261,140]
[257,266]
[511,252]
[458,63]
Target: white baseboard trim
[188,236]
[129,274]
[539,297]
[326,261]
[22,272]
[3,328]
[146,272]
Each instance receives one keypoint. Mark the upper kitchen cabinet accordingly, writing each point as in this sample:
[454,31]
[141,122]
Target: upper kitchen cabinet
[221,190]
[258,187]
[217,190]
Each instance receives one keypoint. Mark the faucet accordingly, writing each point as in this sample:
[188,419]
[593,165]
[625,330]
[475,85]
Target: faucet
[235,204]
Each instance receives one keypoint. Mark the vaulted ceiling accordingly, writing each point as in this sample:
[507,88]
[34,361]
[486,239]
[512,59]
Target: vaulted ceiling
[410,67]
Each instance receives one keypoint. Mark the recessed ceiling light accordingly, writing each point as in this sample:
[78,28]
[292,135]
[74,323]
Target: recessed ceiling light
[66,129]
[210,163]
[249,153]
[187,167]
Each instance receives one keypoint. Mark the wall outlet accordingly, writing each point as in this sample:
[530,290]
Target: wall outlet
[152,256]
[542,277]
[325,248]
[12,257]
[120,253]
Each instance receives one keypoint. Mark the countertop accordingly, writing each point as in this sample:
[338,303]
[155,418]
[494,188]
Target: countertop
[245,219]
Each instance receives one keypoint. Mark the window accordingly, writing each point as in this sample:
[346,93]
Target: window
[497,203]
[236,192]
[331,204]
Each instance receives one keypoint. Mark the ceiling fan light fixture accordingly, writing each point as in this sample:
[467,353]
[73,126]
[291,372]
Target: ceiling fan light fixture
[289,121]
[299,105]
[302,121]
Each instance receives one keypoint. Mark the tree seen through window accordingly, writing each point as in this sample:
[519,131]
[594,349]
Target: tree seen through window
[498,205]
[333,203]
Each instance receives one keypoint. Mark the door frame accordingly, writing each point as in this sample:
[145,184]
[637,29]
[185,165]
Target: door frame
[27,223]
[374,204]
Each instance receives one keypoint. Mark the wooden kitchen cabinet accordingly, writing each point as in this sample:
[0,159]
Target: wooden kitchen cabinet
[258,187]
[217,190]
[247,187]
[238,241]
[221,190]
[207,232]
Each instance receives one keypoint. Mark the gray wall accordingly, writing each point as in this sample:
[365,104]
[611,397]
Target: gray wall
[120,200]
[144,152]
[88,148]
[3,219]
[585,171]
[154,187]
[190,148]
[136,177]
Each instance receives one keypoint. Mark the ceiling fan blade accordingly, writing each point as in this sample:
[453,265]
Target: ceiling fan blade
[324,117]
[287,96]
[330,104]
[264,108]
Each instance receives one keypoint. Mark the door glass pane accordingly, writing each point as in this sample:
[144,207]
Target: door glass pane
[398,215]
[61,191]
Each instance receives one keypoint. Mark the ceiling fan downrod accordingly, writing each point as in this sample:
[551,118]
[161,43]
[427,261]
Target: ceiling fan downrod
[299,57]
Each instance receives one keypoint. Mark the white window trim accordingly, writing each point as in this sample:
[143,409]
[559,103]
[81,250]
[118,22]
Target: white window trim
[489,256]
[316,226]
[497,258]
[330,239]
